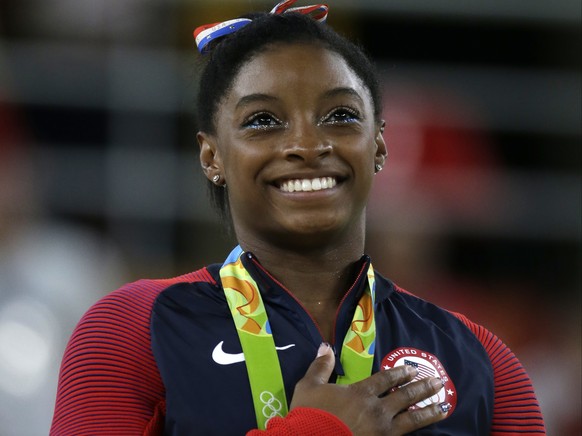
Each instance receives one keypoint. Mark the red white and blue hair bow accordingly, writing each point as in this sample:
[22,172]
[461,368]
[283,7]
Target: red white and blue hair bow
[207,33]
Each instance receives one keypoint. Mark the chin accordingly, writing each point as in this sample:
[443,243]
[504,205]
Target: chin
[305,242]
[313,225]
[309,232]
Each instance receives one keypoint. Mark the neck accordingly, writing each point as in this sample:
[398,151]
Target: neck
[318,279]
[316,268]
[314,275]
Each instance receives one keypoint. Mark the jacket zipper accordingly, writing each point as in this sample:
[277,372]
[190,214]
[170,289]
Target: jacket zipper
[258,265]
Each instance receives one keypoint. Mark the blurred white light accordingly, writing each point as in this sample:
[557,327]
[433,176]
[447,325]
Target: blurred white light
[27,336]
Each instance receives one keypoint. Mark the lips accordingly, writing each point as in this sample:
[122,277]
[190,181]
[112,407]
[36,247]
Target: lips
[308,185]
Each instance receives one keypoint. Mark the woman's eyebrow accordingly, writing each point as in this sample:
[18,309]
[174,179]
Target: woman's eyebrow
[343,91]
[253,98]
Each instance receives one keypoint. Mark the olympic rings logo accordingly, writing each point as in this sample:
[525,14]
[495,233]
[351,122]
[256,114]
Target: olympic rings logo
[272,405]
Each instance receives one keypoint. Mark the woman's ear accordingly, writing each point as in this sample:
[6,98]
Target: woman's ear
[209,156]
[381,149]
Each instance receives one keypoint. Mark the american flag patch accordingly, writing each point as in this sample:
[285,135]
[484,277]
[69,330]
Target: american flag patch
[428,365]
[424,371]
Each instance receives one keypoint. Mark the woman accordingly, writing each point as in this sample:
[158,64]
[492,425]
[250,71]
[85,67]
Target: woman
[295,332]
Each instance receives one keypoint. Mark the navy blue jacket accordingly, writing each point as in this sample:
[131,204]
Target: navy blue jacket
[176,346]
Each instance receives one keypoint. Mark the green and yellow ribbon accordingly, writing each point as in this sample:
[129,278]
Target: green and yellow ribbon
[256,338]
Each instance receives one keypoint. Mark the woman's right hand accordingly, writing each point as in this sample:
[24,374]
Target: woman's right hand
[370,406]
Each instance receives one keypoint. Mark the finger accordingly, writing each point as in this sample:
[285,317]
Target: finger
[414,392]
[411,420]
[321,368]
[383,381]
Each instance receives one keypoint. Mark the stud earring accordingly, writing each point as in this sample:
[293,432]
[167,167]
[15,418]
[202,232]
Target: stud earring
[215,179]
[378,168]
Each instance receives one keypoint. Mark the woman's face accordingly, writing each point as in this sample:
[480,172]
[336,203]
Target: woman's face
[296,144]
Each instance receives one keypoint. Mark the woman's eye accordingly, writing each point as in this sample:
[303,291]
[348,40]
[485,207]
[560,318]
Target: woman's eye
[262,120]
[342,115]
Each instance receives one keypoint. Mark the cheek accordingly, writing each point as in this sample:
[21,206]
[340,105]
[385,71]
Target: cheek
[364,169]
[362,155]
[240,171]
[238,152]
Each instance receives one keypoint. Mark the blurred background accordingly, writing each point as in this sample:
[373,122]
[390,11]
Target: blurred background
[478,208]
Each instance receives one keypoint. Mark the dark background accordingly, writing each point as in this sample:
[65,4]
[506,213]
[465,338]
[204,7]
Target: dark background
[478,208]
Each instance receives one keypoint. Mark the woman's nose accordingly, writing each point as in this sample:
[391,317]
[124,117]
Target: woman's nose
[307,143]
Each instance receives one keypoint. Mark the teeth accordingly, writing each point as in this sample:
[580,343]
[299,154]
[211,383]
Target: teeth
[306,185]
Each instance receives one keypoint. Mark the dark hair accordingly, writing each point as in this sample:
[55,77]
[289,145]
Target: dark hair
[230,53]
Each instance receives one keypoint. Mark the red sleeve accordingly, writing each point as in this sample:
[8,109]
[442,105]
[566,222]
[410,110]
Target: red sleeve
[109,383]
[516,409]
[303,420]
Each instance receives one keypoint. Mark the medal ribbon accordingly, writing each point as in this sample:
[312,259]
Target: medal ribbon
[254,332]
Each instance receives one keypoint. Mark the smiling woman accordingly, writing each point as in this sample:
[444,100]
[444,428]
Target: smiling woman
[295,332]
[289,128]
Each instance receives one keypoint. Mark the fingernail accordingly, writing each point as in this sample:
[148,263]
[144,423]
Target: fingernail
[411,370]
[322,349]
[437,383]
[445,407]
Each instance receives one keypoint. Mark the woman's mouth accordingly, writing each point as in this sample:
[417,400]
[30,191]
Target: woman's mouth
[307,185]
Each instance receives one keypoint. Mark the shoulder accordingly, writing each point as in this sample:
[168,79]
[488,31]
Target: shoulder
[134,300]
[435,313]
[109,365]
[410,321]
[419,309]
[444,317]
[121,319]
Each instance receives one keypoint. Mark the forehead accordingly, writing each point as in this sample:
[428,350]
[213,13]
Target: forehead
[296,68]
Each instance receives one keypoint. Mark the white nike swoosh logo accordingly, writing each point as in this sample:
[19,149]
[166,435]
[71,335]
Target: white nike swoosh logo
[223,358]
